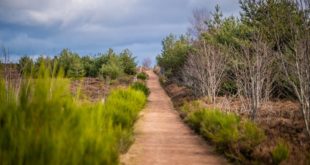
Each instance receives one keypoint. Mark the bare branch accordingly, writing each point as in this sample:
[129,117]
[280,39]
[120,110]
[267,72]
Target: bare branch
[198,22]
[252,67]
[204,70]
[295,64]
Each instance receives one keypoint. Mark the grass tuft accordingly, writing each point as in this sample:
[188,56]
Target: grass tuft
[280,152]
[43,123]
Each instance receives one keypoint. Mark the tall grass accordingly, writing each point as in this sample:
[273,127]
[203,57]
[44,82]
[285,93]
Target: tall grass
[42,123]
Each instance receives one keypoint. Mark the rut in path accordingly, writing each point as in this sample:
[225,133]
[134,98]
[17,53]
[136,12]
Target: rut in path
[163,139]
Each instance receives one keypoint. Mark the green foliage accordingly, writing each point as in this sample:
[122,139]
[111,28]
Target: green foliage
[216,20]
[76,69]
[141,87]
[123,105]
[108,64]
[88,63]
[112,69]
[280,152]
[219,127]
[277,21]
[230,32]
[229,87]
[173,55]
[142,76]
[250,136]
[43,123]
[128,62]
[113,65]
[71,63]
[25,65]
[230,133]
[189,107]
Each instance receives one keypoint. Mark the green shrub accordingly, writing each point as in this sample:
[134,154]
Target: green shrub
[128,62]
[250,135]
[25,65]
[189,107]
[280,152]
[174,54]
[76,69]
[141,87]
[142,76]
[43,123]
[162,80]
[232,135]
[111,70]
[221,128]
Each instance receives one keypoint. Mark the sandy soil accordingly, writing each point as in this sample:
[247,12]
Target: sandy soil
[162,138]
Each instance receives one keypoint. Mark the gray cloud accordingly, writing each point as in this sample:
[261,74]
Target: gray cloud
[88,27]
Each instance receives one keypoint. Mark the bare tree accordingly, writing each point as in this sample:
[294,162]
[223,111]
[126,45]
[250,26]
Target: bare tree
[296,66]
[147,62]
[253,70]
[199,22]
[204,70]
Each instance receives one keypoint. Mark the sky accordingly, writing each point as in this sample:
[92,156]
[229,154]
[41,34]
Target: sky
[88,27]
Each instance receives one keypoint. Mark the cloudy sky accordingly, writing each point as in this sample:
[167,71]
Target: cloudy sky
[35,27]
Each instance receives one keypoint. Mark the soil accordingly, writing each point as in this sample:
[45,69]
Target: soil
[162,138]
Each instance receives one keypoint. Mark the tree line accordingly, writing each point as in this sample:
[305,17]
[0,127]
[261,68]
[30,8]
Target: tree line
[264,53]
[106,65]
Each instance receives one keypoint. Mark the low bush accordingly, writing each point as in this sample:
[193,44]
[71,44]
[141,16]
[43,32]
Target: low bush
[232,135]
[219,127]
[163,80]
[142,76]
[141,87]
[193,119]
[250,136]
[43,123]
[111,71]
[280,152]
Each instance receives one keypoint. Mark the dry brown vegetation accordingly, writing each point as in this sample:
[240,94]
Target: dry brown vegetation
[95,89]
[280,119]
[90,88]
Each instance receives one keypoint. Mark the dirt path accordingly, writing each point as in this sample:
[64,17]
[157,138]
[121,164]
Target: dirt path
[163,139]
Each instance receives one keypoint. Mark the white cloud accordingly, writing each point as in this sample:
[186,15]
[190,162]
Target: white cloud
[35,26]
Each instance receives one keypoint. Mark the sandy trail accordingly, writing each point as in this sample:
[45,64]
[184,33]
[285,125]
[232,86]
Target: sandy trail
[163,139]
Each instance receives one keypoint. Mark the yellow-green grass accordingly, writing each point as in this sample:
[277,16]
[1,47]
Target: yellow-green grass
[42,123]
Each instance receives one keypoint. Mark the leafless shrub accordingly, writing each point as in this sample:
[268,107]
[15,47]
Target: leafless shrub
[204,70]
[252,67]
[198,22]
[296,66]
[147,62]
